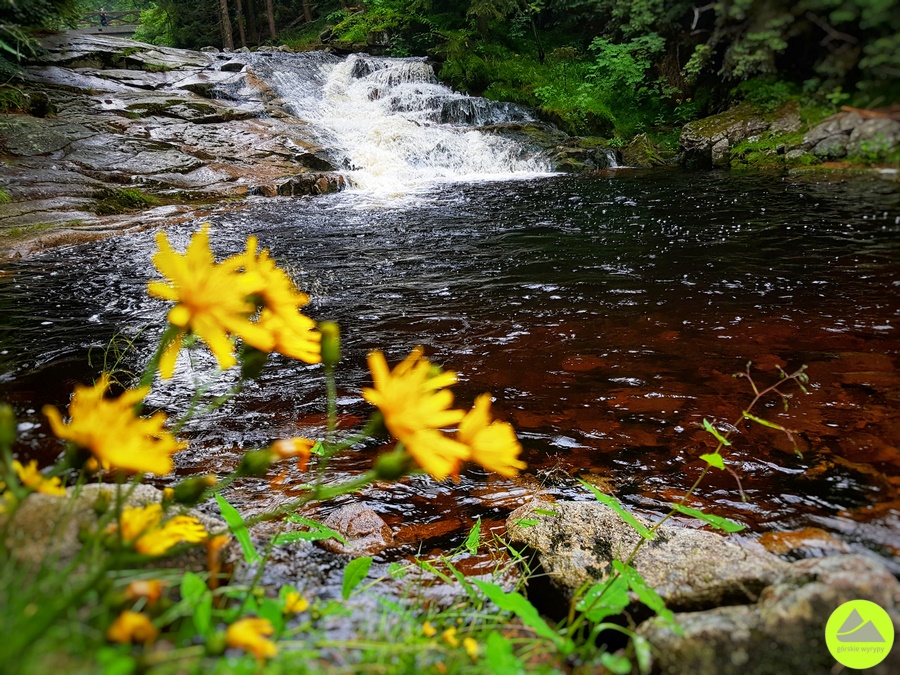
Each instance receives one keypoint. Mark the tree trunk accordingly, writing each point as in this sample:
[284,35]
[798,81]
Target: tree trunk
[240,22]
[252,32]
[227,38]
[307,11]
[270,14]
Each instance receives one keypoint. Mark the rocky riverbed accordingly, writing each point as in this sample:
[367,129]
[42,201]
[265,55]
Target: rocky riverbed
[126,135]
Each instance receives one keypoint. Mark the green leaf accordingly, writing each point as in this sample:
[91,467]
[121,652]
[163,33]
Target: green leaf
[500,658]
[517,604]
[316,531]
[397,571]
[354,573]
[715,521]
[645,593]
[474,538]
[600,602]
[192,587]
[715,432]
[238,529]
[526,522]
[765,423]
[202,615]
[642,653]
[618,665]
[714,459]
[545,512]
[614,504]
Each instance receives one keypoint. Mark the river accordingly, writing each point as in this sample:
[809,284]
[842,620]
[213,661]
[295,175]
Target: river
[607,314]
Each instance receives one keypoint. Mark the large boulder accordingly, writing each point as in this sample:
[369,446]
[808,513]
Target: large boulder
[48,528]
[690,569]
[784,632]
[706,143]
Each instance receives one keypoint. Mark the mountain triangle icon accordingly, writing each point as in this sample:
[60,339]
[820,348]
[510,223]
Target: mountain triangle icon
[856,629]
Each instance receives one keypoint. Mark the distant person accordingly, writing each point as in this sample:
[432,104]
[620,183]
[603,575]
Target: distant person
[103,20]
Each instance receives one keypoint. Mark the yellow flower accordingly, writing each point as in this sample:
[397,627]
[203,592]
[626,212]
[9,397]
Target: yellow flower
[450,638]
[293,334]
[32,478]
[428,630]
[301,448]
[294,603]
[149,589]
[416,406]
[143,529]
[110,430]
[132,627]
[211,301]
[471,647]
[250,635]
[493,444]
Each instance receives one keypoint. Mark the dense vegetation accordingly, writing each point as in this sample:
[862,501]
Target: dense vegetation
[602,67]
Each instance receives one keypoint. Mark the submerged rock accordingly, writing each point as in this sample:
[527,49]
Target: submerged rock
[365,531]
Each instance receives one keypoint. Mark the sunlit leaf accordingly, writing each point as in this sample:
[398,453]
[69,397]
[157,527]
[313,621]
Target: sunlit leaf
[716,521]
[546,512]
[354,573]
[517,604]
[474,538]
[316,531]
[500,658]
[618,665]
[526,522]
[765,423]
[605,599]
[645,593]
[238,529]
[715,432]
[714,459]
[614,504]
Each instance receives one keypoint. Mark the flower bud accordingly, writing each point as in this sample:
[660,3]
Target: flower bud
[101,504]
[255,463]
[393,465]
[252,362]
[190,490]
[7,425]
[331,342]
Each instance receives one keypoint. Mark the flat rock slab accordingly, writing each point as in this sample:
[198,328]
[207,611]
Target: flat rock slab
[105,153]
[26,136]
[690,569]
[99,51]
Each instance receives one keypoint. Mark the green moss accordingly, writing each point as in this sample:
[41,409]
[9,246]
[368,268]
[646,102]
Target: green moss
[122,200]
[5,198]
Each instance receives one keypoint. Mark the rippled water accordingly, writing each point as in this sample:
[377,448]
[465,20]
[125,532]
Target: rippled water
[606,315]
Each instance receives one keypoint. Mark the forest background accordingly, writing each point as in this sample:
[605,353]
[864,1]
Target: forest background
[609,68]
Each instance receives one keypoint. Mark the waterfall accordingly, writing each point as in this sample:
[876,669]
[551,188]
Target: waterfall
[392,128]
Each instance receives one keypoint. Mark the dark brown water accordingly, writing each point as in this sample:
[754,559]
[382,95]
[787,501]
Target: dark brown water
[607,315]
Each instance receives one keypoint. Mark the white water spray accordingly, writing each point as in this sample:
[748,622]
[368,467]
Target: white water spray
[394,129]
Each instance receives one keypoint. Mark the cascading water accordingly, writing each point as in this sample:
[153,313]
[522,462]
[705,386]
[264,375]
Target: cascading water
[392,128]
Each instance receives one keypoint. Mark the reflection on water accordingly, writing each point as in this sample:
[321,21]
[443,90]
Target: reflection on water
[607,315]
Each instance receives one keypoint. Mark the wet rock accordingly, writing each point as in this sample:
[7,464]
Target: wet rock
[690,569]
[641,153]
[783,632]
[310,184]
[365,531]
[705,143]
[26,136]
[832,147]
[875,136]
[232,67]
[809,540]
[47,527]
[105,153]
[103,51]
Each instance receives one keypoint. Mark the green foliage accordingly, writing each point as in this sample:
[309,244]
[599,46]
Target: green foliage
[121,200]
[5,197]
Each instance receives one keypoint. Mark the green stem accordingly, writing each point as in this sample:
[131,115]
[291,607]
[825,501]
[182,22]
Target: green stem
[152,366]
